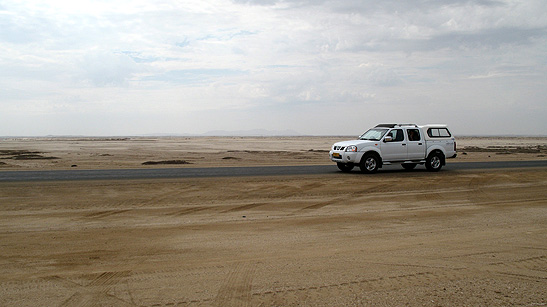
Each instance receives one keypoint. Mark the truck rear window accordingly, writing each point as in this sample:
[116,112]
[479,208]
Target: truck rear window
[438,133]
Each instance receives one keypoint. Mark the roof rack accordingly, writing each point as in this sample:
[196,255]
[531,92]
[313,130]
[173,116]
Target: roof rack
[394,125]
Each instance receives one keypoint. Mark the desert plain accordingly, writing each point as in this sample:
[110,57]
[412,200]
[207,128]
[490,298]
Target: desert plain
[397,238]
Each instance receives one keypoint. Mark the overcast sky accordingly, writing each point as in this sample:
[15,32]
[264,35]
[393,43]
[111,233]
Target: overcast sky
[319,67]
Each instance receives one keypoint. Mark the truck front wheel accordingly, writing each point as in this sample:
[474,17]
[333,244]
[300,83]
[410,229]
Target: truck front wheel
[434,161]
[369,163]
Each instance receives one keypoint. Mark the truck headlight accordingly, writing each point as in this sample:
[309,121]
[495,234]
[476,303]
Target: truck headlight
[351,148]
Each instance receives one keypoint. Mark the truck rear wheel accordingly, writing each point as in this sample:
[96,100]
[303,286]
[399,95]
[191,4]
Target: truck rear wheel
[369,163]
[434,161]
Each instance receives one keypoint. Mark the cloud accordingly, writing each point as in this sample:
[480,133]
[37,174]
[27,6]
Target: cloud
[108,69]
[494,38]
[193,76]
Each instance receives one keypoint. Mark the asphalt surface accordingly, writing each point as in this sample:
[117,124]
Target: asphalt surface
[165,173]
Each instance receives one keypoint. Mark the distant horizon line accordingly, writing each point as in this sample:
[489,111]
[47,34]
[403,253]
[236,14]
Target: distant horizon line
[160,135]
[238,133]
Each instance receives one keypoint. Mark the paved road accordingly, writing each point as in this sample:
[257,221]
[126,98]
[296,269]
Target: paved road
[157,173]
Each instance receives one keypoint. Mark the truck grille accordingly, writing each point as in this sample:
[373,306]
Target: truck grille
[338,147]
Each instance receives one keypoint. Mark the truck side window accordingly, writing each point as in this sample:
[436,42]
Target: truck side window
[438,132]
[413,135]
[397,135]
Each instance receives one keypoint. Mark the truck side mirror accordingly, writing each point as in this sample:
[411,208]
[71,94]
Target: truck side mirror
[388,138]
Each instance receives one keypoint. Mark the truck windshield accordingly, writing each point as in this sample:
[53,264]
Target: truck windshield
[373,134]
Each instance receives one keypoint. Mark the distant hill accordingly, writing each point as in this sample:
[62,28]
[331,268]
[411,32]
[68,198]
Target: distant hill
[254,132]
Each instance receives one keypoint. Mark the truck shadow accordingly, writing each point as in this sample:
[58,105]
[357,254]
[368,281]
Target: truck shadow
[395,169]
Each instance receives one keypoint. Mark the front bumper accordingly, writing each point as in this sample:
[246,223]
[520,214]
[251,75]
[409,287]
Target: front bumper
[343,156]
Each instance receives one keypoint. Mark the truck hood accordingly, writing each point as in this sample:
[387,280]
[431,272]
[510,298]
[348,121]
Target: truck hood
[359,143]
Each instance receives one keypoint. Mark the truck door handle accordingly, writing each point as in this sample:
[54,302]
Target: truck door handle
[404,144]
[420,144]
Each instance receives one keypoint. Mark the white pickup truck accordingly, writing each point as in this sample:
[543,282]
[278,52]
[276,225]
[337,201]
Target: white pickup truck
[405,144]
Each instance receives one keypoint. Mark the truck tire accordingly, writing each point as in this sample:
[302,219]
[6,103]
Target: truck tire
[345,167]
[434,161]
[369,163]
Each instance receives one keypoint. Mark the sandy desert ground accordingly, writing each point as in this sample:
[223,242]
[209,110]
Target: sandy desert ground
[108,153]
[453,238]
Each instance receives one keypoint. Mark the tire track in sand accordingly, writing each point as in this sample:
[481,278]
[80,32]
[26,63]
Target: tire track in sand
[236,290]
[95,293]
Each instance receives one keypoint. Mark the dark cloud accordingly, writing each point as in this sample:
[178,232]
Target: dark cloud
[453,40]
[403,6]
[356,6]
[489,39]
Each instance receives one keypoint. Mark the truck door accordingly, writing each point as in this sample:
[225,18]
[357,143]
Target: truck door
[395,150]
[415,145]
